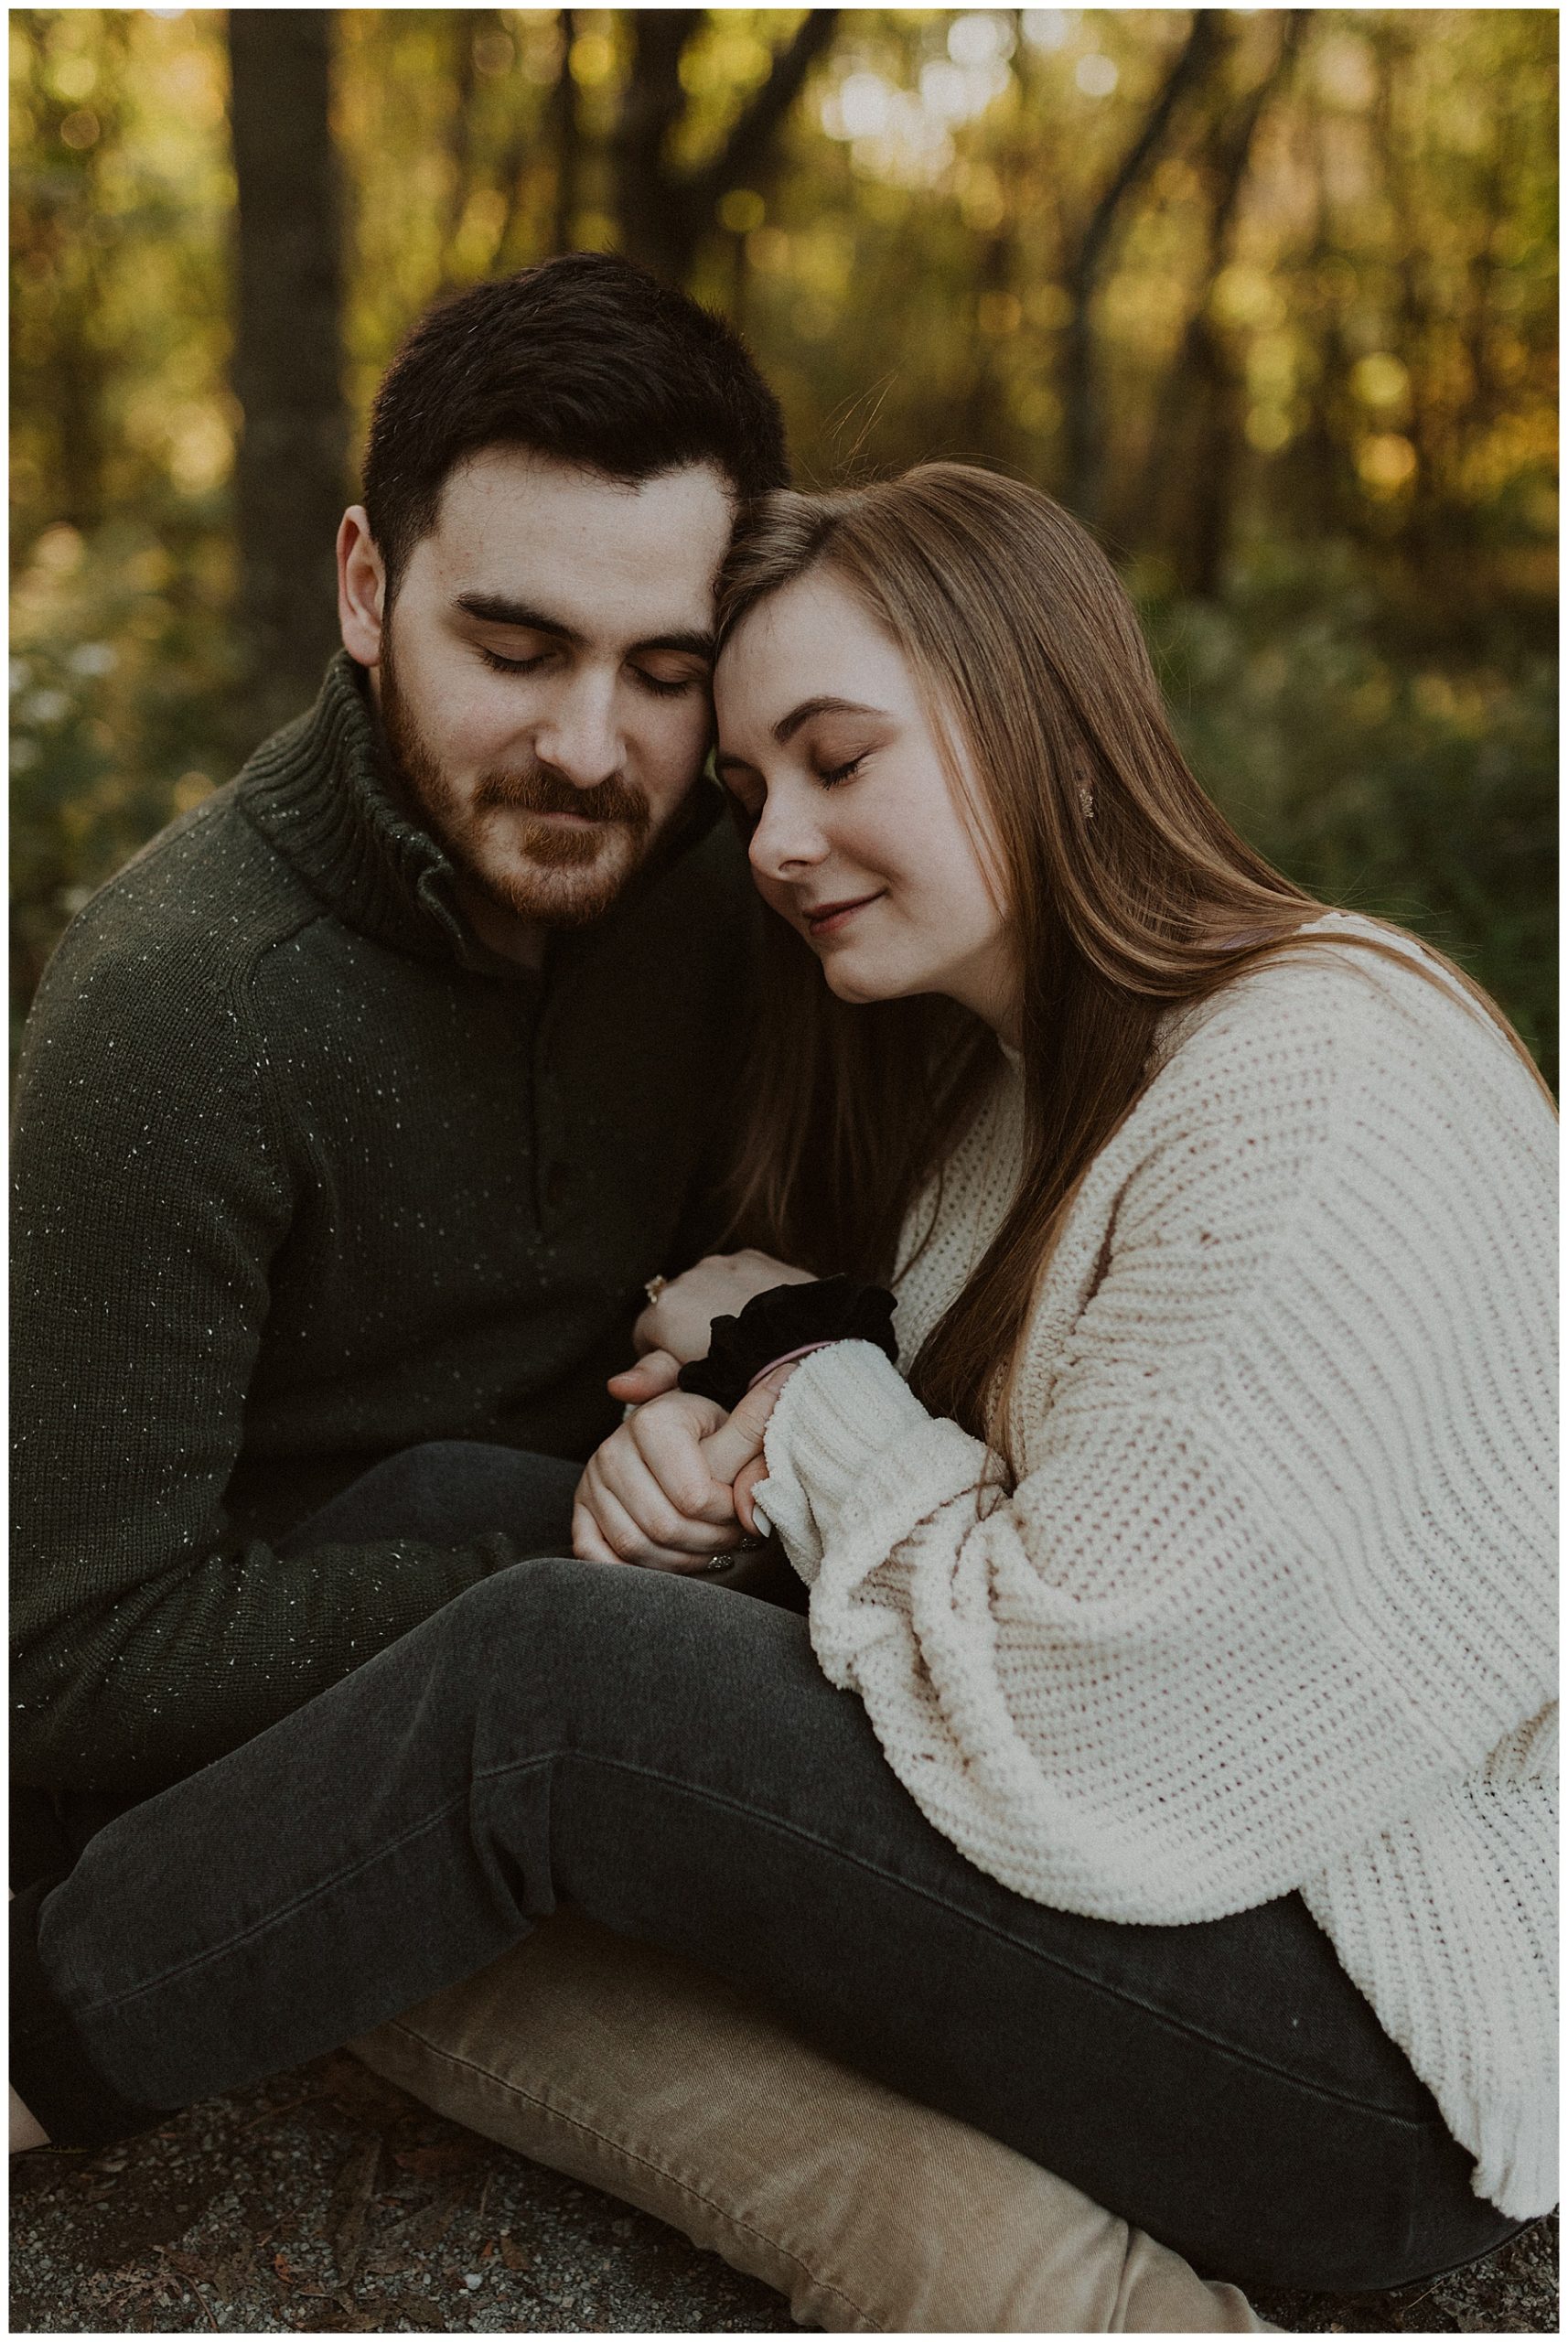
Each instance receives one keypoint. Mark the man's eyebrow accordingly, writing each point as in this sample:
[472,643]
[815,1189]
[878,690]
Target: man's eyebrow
[788,725]
[691,641]
[500,609]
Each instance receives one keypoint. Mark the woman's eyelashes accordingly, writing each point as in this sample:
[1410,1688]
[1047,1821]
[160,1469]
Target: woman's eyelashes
[749,789]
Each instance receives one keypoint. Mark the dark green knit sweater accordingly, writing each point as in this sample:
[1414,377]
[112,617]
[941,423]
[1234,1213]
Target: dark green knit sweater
[305,1175]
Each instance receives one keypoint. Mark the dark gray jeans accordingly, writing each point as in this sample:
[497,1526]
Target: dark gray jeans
[668,1755]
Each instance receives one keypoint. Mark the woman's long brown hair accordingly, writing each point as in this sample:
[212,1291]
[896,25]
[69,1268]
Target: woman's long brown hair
[1127,890]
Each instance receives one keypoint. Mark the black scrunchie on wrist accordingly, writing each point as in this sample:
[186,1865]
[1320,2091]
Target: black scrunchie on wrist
[787,1317]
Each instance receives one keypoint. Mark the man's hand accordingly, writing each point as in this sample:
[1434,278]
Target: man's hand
[658,1491]
[674,1329]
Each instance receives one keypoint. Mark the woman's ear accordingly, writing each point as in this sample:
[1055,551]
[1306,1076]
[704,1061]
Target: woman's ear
[361,588]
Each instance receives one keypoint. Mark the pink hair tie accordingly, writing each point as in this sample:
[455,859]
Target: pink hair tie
[787,1360]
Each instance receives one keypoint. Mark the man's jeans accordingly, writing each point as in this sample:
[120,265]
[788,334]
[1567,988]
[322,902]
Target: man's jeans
[669,1759]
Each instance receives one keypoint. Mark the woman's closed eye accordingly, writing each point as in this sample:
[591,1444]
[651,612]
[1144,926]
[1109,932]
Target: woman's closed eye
[832,775]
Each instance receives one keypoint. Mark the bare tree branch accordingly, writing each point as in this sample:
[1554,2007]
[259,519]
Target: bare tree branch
[664,212]
[1196,54]
[762,118]
[1192,63]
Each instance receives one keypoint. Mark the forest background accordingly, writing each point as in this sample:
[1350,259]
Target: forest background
[1267,297]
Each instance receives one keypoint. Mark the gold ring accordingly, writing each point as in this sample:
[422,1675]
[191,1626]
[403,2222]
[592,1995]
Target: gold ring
[654,1287]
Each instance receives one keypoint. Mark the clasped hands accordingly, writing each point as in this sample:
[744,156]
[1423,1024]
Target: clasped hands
[672,1487]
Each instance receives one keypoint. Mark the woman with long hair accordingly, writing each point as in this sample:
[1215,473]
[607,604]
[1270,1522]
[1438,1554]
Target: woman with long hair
[1140,1339]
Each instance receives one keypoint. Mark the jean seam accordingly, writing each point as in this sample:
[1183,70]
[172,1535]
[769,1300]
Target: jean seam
[719,1799]
[662,2171]
[1110,1991]
[198,1961]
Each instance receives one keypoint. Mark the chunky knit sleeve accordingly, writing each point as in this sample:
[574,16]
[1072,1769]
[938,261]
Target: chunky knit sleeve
[1276,1575]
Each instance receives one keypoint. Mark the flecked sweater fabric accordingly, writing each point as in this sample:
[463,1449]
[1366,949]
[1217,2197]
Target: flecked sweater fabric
[1271,1604]
[304,1176]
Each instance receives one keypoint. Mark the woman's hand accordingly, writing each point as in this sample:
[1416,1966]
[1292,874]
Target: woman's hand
[657,1492]
[674,1329]
[755,1468]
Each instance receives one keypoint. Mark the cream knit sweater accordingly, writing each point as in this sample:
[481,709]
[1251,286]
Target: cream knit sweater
[1271,1604]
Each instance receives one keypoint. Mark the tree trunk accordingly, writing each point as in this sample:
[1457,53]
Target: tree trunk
[1191,478]
[1080,398]
[658,226]
[61,378]
[1412,309]
[292,473]
[664,212]
[463,28]
[566,139]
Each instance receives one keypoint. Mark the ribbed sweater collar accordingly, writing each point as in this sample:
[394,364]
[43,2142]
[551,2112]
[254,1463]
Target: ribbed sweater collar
[316,791]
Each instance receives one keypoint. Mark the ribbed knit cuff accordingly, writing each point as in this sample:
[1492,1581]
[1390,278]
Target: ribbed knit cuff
[836,1413]
[50,2071]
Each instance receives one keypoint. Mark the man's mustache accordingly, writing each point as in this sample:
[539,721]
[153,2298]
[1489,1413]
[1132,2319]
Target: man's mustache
[542,790]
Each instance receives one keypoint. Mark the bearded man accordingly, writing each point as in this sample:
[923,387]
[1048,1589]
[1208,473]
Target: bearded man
[353,1116]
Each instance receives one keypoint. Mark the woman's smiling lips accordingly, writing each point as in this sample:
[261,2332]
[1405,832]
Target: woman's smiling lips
[827,918]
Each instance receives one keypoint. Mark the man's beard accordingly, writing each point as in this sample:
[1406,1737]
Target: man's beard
[539,871]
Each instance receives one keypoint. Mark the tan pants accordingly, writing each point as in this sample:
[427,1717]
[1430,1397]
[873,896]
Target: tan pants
[641,2075]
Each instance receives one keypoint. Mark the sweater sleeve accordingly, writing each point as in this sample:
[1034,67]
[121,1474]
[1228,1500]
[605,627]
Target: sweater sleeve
[151,1195]
[1228,1626]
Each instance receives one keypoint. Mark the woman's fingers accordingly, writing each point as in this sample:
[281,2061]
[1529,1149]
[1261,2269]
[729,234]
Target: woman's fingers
[634,1514]
[659,1492]
[590,1544]
[746,1511]
[587,1540]
[673,1528]
[728,1450]
[648,1379]
[669,1441]
[624,1540]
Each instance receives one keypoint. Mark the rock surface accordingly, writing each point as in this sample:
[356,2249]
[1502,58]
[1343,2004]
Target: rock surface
[329,2202]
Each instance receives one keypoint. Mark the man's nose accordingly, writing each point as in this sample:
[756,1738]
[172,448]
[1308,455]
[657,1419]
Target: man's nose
[580,735]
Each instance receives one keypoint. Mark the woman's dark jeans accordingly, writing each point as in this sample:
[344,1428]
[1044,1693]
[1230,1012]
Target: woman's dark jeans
[668,1755]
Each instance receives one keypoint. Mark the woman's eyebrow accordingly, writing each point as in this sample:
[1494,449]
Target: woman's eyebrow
[788,725]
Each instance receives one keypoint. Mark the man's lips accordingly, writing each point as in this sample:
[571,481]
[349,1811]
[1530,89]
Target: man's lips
[827,918]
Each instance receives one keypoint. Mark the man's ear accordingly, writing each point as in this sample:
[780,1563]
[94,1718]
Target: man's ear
[361,588]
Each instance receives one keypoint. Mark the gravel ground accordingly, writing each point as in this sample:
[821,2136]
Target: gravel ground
[329,2202]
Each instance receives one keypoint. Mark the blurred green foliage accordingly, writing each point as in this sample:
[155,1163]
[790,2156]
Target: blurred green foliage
[1384,778]
[1367,684]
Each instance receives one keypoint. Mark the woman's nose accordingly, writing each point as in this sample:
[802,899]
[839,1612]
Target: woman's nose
[787,839]
[579,735]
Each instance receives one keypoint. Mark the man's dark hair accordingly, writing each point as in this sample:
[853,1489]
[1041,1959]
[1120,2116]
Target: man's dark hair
[585,358]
